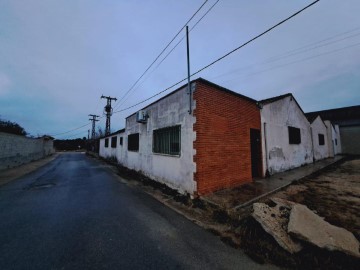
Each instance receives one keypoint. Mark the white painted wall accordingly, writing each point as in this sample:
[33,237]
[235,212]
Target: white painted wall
[278,154]
[174,171]
[336,135]
[109,152]
[334,140]
[319,127]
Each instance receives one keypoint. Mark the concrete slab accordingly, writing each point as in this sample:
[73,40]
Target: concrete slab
[307,226]
[274,221]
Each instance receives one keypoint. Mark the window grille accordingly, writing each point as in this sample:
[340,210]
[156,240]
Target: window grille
[167,140]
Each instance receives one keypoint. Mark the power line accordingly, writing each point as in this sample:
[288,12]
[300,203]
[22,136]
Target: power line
[256,37]
[321,41]
[70,130]
[300,60]
[166,56]
[207,66]
[289,54]
[224,56]
[74,135]
[142,75]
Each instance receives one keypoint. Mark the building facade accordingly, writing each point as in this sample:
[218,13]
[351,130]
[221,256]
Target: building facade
[320,139]
[348,121]
[286,135]
[334,140]
[196,144]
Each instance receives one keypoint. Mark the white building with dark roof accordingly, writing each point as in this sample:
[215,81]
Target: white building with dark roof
[286,135]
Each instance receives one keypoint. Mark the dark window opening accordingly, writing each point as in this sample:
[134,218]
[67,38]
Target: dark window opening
[113,142]
[133,142]
[321,139]
[294,135]
[106,142]
[121,141]
[335,141]
[167,140]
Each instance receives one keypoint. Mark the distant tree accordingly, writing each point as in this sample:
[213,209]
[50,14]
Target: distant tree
[12,127]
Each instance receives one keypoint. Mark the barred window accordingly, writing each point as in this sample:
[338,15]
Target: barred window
[167,140]
[113,142]
[107,142]
[321,139]
[294,135]
[133,142]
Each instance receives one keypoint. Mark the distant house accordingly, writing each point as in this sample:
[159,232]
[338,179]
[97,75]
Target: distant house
[286,135]
[333,134]
[197,147]
[320,139]
[348,120]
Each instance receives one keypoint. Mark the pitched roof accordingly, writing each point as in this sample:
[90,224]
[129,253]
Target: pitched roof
[114,133]
[338,114]
[311,118]
[273,99]
[201,80]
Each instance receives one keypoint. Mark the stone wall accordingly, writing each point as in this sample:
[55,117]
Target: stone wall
[16,150]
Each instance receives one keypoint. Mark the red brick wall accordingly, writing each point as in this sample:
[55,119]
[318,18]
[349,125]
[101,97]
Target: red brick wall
[223,122]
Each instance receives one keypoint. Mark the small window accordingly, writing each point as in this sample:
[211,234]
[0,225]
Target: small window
[335,141]
[167,140]
[113,142]
[106,142]
[294,135]
[321,139]
[121,141]
[133,142]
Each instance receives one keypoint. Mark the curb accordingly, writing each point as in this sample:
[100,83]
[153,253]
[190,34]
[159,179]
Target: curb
[343,158]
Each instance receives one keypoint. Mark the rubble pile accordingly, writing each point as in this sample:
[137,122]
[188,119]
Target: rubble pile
[291,224]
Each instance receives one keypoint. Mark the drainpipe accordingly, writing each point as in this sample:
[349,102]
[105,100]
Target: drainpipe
[188,68]
[267,174]
[312,144]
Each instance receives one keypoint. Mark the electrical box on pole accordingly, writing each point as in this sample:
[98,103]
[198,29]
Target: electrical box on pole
[108,112]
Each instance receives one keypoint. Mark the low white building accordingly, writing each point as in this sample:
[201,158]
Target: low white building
[346,124]
[195,144]
[286,136]
[111,145]
[320,140]
[333,135]
[161,147]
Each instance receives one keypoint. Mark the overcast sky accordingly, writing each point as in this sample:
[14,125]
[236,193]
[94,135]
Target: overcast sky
[58,57]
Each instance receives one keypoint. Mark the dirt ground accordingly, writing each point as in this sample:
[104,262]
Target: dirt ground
[333,194]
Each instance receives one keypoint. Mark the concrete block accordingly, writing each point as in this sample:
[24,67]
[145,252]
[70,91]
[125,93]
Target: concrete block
[274,221]
[307,226]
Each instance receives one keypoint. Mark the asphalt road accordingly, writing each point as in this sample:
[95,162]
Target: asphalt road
[73,213]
